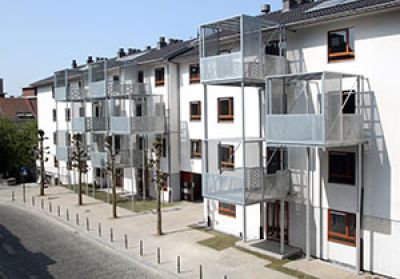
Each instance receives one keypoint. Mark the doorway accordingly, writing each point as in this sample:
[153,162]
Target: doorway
[119,178]
[273,221]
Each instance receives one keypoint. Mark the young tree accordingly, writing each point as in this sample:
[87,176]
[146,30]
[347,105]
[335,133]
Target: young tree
[79,157]
[111,170]
[40,155]
[160,179]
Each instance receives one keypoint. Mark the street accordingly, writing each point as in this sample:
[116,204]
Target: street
[33,247]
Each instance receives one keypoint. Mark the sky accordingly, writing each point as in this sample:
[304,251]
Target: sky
[38,37]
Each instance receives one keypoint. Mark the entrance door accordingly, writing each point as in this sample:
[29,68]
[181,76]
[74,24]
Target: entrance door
[273,221]
[119,180]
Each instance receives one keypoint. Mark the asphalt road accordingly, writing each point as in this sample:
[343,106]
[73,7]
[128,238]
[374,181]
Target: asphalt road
[32,246]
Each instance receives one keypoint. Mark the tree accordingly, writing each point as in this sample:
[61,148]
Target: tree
[111,170]
[160,180]
[8,137]
[78,159]
[40,155]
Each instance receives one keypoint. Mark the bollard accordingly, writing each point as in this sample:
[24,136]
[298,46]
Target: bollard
[50,207]
[126,241]
[42,204]
[77,219]
[87,224]
[225,276]
[158,255]
[24,193]
[111,235]
[67,214]
[99,230]
[201,272]
[141,247]
[33,201]
[58,211]
[12,196]
[178,264]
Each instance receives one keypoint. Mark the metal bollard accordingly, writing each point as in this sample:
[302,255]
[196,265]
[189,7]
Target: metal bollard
[225,276]
[58,211]
[178,264]
[126,241]
[99,230]
[158,255]
[33,201]
[67,214]
[201,272]
[87,224]
[50,207]
[12,196]
[111,235]
[42,204]
[77,219]
[141,247]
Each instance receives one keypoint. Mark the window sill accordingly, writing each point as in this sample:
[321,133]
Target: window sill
[343,242]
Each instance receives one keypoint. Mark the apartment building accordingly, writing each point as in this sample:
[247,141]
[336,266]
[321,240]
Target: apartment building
[285,123]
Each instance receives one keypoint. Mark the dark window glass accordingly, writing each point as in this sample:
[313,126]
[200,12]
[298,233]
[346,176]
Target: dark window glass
[227,209]
[225,109]
[159,77]
[342,167]
[195,110]
[164,147]
[341,44]
[274,160]
[140,77]
[342,227]
[194,75]
[350,106]
[196,148]
[226,156]
[139,111]
[54,115]
[272,48]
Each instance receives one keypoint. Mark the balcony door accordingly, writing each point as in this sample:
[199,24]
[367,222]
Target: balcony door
[119,180]
[273,221]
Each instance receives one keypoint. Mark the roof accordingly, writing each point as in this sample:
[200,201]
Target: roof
[302,15]
[18,108]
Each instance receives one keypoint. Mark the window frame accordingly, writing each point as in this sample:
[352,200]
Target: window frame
[344,95]
[197,116]
[341,56]
[159,82]
[227,209]
[193,79]
[339,178]
[227,164]
[347,239]
[195,154]
[164,147]
[230,116]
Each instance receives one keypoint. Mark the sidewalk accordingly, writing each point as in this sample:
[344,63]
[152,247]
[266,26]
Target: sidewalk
[179,239]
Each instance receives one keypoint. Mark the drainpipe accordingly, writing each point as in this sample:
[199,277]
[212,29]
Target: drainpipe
[169,126]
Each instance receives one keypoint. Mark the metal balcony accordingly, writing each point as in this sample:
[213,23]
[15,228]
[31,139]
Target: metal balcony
[232,51]
[98,159]
[63,153]
[310,109]
[80,124]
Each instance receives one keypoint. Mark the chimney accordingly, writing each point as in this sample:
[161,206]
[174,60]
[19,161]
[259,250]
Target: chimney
[1,86]
[121,53]
[161,43]
[265,9]
[130,51]
[89,60]
[148,48]
[74,64]
[290,4]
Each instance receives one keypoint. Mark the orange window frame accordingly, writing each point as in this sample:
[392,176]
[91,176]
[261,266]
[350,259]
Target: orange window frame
[195,115]
[159,77]
[195,153]
[231,163]
[345,239]
[229,116]
[345,54]
[194,78]
[227,209]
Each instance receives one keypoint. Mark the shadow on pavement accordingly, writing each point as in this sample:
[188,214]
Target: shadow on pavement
[18,262]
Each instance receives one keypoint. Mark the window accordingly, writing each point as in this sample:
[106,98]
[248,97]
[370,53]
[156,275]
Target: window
[159,73]
[164,147]
[140,77]
[54,115]
[341,45]
[195,110]
[195,148]
[342,167]
[115,78]
[69,139]
[141,143]
[194,75]
[67,114]
[54,137]
[225,109]
[82,112]
[272,48]
[342,227]
[138,111]
[227,209]
[274,160]
[226,156]
[55,162]
[350,99]
[69,165]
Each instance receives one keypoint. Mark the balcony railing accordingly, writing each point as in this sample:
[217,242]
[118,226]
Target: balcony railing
[63,153]
[260,186]
[97,90]
[80,124]
[96,124]
[98,159]
[60,94]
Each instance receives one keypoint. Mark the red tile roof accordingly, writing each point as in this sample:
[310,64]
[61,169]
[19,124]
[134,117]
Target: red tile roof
[18,108]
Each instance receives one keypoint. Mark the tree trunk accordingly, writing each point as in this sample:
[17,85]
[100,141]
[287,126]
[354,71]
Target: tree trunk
[80,188]
[114,193]
[41,167]
[159,229]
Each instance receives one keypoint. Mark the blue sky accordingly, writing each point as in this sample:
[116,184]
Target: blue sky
[40,36]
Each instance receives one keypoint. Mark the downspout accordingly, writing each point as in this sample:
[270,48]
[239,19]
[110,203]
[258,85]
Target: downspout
[169,126]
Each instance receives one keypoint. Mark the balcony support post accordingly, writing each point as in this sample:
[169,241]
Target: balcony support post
[308,250]
[244,162]
[204,149]
[360,183]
